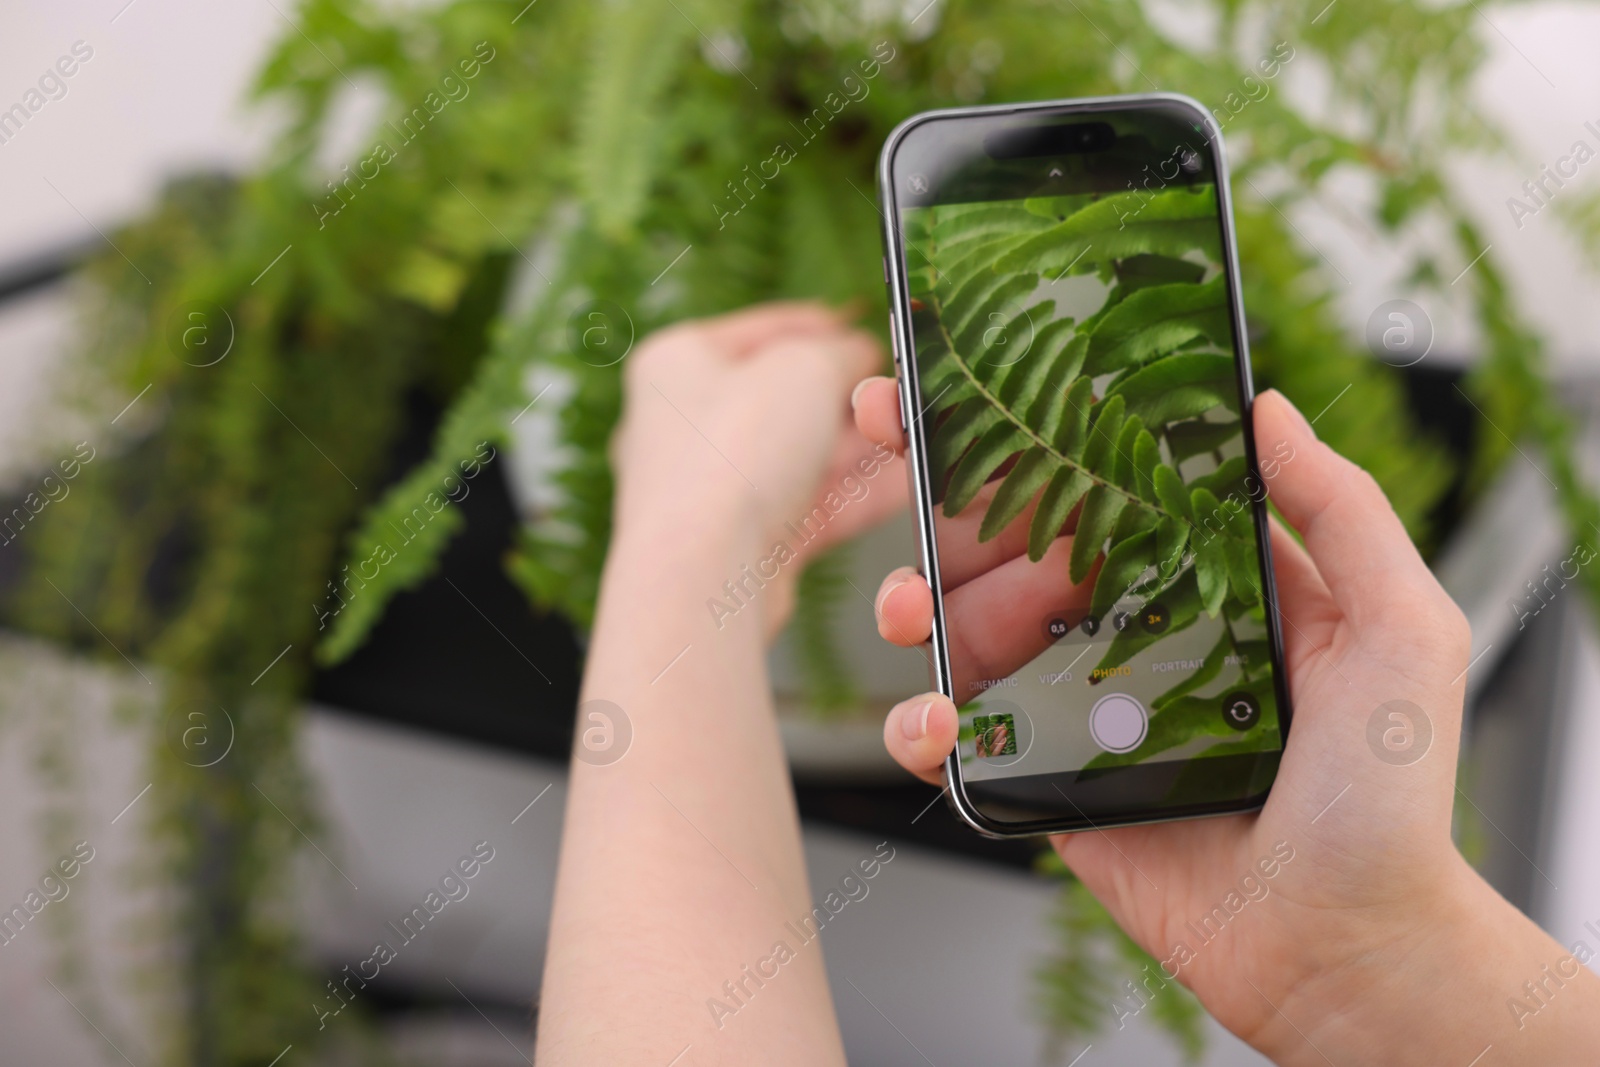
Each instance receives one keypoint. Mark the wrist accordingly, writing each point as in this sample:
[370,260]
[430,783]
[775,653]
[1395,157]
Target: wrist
[703,517]
[1426,984]
[672,552]
[712,540]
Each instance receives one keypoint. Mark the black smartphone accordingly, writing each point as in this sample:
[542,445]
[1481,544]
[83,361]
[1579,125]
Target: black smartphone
[1090,498]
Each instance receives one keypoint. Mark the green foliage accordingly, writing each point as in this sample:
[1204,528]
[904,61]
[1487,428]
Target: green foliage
[626,152]
[1097,976]
[1168,223]
[225,527]
[824,587]
[1012,384]
[620,135]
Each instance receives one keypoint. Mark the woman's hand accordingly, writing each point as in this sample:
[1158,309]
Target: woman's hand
[742,423]
[681,856]
[1375,939]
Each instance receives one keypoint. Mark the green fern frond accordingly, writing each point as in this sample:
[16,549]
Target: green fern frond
[407,521]
[1096,978]
[1015,422]
[830,686]
[637,44]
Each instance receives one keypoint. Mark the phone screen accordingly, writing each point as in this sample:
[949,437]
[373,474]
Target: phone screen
[1096,499]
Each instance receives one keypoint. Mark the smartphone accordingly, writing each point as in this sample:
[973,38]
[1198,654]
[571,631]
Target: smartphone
[1090,498]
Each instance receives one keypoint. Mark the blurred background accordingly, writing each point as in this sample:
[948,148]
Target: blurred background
[280,281]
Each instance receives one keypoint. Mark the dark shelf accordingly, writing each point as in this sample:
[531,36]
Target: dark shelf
[464,654]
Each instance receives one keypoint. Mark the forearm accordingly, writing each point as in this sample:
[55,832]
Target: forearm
[681,862]
[1481,977]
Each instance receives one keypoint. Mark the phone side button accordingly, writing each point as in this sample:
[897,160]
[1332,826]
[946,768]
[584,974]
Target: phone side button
[899,372]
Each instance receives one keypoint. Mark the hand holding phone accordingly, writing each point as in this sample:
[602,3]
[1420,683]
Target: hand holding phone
[1332,912]
[1090,466]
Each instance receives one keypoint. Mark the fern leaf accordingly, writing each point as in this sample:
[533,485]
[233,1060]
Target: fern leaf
[1100,510]
[1073,987]
[970,304]
[1005,338]
[997,445]
[1122,466]
[1197,436]
[1173,1007]
[1125,564]
[1169,223]
[637,47]
[1172,537]
[1066,488]
[1067,424]
[1143,271]
[1058,208]
[1227,480]
[970,237]
[1210,667]
[1180,386]
[1135,519]
[1030,421]
[1108,416]
[1146,458]
[478,417]
[1046,357]
[1211,563]
[1155,321]
[1244,568]
[1170,491]
[1052,398]
[970,420]
[1182,600]
[823,587]
[1031,472]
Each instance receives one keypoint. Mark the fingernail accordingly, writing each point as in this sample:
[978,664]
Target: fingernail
[855,393]
[883,597]
[1298,415]
[914,723]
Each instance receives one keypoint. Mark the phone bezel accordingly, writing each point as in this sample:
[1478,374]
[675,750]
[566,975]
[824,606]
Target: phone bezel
[922,497]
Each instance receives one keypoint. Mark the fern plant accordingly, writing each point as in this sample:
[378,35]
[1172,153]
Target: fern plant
[1033,409]
[599,154]
[1095,976]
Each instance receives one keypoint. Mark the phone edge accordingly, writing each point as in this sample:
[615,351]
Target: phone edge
[905,376]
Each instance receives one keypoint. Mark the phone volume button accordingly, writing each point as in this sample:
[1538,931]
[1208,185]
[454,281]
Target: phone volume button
[899,373]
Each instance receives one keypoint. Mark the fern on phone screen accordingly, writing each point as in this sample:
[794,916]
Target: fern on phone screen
[1121,429]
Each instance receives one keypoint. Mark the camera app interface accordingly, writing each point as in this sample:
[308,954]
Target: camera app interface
[1094,522]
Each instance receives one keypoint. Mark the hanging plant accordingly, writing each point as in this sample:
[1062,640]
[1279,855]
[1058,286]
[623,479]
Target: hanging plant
[640,160]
